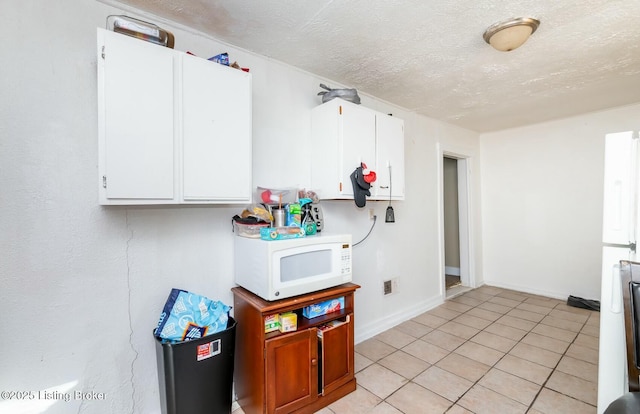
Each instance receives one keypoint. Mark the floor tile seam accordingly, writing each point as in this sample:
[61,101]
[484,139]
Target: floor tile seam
[469,339]
[415,383]
[381,398]
[472,308]
[532,311]
[507,353]
[573,313]
[508,326]
[439,347]
[396,348]
[553,370]
[584,325]
[498,392]
[402,375]
[527,406]
[477,383]
[479,317]
[499,350]
[544,385]
[541,300]
[431,391]
[550,337]
[563,394]
[552,326]
[593,336]
[524,320]
[516,375]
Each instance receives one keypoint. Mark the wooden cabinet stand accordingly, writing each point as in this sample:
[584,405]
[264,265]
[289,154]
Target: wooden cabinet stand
[293,372]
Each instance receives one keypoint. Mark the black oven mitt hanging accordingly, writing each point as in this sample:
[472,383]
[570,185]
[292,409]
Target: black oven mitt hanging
[360,187]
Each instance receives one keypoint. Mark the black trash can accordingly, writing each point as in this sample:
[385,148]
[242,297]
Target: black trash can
[196,377]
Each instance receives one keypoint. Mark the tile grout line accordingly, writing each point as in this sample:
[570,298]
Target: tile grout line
[492,366]
[454,349]
[556,367]
[449,352]
[553,370]
[529,407]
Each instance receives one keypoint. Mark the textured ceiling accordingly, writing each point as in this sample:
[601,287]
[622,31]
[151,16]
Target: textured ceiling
[430,57]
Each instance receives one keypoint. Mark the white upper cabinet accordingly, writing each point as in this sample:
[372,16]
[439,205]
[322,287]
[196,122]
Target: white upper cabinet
[216,125]
[173,128]
[343,136]
[135,95]
[389,158]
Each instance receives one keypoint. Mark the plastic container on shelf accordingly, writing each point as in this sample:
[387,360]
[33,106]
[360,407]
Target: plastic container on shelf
[249,230]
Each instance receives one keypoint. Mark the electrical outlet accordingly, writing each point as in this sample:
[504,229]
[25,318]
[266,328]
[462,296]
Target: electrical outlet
[372,214]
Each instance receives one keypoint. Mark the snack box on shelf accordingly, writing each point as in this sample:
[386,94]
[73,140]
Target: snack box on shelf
[288,322]
[271,323]
[322,308]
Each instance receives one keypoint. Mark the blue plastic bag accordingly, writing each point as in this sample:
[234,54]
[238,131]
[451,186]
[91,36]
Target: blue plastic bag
[188,316]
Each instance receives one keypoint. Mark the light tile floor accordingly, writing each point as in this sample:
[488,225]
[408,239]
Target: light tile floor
[488,350]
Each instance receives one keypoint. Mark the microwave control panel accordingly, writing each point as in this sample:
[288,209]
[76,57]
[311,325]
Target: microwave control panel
[345,259]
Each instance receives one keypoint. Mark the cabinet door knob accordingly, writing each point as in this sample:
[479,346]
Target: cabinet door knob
[314,362]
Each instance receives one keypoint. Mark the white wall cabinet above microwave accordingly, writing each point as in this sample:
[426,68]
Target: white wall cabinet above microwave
[344,135]
[173,128]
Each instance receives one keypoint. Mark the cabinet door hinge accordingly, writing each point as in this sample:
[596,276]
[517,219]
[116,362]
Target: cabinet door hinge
[102,52]
[104,181]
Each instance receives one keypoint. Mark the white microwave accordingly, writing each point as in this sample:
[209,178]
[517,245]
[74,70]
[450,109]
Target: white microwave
[280,269]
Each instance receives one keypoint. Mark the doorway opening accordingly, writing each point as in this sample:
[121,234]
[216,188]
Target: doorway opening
[455,225]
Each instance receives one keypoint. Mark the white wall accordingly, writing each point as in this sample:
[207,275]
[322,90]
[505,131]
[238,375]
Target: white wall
[83,285]
[542,189]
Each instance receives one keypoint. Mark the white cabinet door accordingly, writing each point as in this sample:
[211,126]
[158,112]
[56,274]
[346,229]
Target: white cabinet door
[357,142]
[136,119]
[343,136]
[390,158]
[216,125]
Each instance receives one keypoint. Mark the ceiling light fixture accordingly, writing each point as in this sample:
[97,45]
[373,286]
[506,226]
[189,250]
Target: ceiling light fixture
[510,34]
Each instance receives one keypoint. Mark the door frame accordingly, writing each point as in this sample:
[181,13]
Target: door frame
[465,206]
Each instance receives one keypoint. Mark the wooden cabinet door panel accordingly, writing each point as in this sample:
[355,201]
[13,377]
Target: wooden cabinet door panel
[292,371]
[337,360]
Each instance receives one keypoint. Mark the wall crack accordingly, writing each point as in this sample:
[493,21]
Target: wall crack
[135,351]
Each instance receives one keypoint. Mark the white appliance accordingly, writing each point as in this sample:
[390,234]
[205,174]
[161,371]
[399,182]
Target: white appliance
[620,224]
[283,268]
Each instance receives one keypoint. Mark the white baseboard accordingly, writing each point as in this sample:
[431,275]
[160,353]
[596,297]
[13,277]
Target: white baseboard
[453,271]
[362,333]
